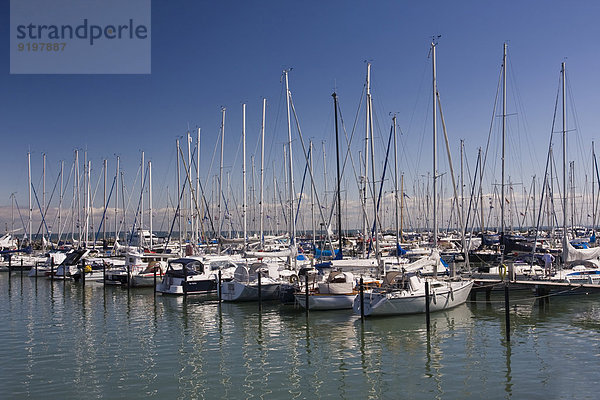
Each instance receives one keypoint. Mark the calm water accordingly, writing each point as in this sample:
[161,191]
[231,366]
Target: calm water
[66,341]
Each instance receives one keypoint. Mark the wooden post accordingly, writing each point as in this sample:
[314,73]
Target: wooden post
[306,294]
[129,276]
[507,312]
[36,269]
[21,269]
[427,316]
[155,282]
[184,280]
[104,273]
[82,272]
[9,267]
[361,291]
[259,290]
[52,269]
[219,288]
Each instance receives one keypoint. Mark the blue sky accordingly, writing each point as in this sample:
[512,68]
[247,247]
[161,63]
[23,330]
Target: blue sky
[210,54]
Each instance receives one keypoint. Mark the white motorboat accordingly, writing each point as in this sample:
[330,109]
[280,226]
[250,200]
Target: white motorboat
[337,292]
[189,275]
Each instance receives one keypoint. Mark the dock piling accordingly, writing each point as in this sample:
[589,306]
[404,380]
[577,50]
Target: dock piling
[306,295]
[361,291]
[507,312]
[259,291]
[154,283]
[220,294]
[427,316]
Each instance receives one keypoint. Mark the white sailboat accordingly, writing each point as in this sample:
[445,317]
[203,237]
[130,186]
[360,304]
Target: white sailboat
[409,296]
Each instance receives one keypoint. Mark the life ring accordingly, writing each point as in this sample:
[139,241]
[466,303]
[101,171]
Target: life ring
[502,271]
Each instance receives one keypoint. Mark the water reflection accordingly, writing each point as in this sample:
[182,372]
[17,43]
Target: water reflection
[62,339]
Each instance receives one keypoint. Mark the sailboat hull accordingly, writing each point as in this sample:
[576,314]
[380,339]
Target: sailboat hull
[405,302]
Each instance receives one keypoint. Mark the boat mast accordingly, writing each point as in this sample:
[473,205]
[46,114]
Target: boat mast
[262,170]
[150,199]
[435,174]
[197,213]
[366,171]
[29,185]
[88,200]
[141,232]
[104,202]
[244,198]
[59,201]
[116,199]
[291,171]
[179,196]
[219,211]
[312,199]
[564,140]
[43,196]
[324,175]
[339,177]
[374,183]
[504,67]
[398,240]
[462,185]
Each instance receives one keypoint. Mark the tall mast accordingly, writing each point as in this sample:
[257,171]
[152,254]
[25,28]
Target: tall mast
[150,199]
[564,140]
[503,144]
[29,185]
[462,184]
[291,171]
[44,195]
[367,120]
[324,175]
[312,198]
[435,174]
[197,212]
[179,197]
[60,200]
[396,190]
[339,177]
[373,181]
[116,200]
[141,234]
[244,198]
[262,170]
[104,201]
[219,211]
[88,210]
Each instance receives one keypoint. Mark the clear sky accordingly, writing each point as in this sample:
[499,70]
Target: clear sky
[212,54]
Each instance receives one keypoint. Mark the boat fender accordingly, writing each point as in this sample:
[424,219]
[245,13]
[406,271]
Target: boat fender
[502,271]
[451,294]
[434,297]
[294,279]
[88,269]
